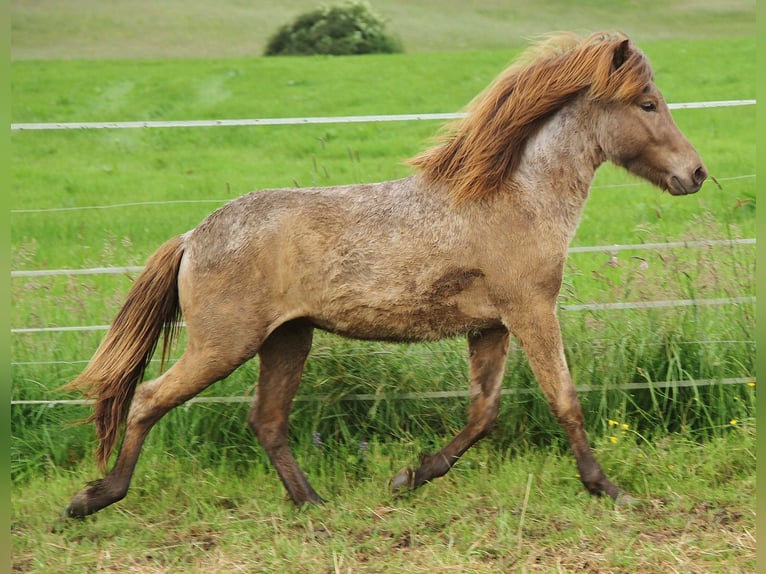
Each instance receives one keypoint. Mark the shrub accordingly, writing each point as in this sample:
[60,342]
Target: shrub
[349,28]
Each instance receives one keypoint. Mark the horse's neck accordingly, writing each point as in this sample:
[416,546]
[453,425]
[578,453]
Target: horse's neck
[557,169]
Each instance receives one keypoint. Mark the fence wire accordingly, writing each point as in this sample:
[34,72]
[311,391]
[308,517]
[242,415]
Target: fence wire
[371,119]
[427,395]
[301,121]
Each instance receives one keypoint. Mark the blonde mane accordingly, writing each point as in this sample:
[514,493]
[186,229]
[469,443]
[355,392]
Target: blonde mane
[478,152]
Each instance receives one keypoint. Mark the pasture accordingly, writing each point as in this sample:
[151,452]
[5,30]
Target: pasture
[92,30]
[204,497]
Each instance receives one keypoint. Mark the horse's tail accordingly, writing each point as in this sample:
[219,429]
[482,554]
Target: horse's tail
[152,309]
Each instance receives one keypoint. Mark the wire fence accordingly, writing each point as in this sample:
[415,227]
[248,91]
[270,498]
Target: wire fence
[583,307]
[616,248]
[613,249]
[255,122]
[432,395]
[224,200]
[420,395]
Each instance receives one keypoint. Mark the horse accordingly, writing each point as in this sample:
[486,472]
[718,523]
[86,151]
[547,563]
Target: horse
[473,243]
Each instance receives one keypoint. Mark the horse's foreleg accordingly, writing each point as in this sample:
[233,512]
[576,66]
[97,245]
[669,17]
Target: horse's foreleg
[153,399]
[487,353]
[540,337]
[282,357]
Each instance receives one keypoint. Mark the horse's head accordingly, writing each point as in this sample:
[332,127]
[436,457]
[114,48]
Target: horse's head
[640,135]
[481,151]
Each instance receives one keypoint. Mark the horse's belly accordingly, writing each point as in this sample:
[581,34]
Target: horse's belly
[405,323]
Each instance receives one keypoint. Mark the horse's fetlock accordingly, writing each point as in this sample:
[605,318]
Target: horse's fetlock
[112,490]
[432,466]
[595,482]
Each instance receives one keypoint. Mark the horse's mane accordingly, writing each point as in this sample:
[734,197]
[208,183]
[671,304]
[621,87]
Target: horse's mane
[478,152]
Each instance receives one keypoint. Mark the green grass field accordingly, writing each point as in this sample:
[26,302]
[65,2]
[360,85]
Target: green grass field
[205,498]
[127,29]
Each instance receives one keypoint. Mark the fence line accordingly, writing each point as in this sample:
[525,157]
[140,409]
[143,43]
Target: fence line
[122,205]
[89,271]
[658,246]
[372,119]
[226,200]
[658,304]
[584,249]
[425,394]
[583,307]
[301,121]
[361,348]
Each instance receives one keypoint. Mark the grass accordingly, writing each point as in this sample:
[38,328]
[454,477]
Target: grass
[89,29]
[205,498]
[215,164]
[493,513]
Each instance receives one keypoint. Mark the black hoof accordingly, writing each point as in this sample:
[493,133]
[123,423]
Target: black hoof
[403,481]
[78,508]
[95,496]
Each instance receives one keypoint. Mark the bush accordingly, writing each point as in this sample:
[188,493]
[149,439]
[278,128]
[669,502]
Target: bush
[349,28]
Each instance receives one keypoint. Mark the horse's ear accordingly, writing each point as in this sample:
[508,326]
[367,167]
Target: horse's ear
[621,53]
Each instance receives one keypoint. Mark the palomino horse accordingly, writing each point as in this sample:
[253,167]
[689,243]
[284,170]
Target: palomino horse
[473,244]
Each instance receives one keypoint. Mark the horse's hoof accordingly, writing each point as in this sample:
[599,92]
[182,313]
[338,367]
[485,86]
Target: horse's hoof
[78,507]
[403,480]
[77,512]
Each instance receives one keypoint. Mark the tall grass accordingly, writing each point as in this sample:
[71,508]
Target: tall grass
[606,350]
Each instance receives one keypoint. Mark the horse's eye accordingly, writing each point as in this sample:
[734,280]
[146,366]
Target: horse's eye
[649,106]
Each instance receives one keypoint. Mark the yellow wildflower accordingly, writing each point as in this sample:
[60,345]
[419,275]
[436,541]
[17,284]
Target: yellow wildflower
[733,421]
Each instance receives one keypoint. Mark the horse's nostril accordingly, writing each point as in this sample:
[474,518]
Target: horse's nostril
[700,175]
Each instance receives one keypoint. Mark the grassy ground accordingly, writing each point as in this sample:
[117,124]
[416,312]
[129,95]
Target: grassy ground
[493,513]
[214,164]
[126,29]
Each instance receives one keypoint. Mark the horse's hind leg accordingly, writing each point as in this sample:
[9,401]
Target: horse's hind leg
[487,353]
[193,372]
[282,357]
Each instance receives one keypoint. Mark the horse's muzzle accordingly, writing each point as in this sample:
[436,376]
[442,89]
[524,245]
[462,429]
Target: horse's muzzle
[686,186]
